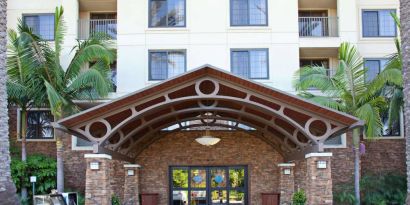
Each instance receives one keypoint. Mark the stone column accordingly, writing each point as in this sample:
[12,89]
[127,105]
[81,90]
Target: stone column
[287,183]
[131,184]
[98,188]
[319,179]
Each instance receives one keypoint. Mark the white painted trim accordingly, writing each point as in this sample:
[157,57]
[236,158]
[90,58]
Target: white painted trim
[132,166]
[339,146]
[322,154]
[96,156]
[19,128]
[286,165]
[79,148]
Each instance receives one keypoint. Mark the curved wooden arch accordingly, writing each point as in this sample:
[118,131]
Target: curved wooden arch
[140,115]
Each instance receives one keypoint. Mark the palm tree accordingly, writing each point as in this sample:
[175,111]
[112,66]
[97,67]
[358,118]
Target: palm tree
[405,45]
[24,87]
[77,82]
[346,91]
[7,188]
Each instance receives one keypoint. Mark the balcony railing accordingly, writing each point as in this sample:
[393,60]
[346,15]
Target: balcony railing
[87,28]
[318,27]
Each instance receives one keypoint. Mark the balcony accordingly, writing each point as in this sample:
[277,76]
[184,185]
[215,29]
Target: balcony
[318,27]
[90,27]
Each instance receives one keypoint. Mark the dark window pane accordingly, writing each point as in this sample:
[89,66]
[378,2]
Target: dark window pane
[158,13]
[373,69]
[393,130]
[113,76]
[259,64]
[240,63]
[239,12]
[257,12]
[42,25]
[158,67]
[370,24]
[39,125]
[387,26]
[176,12]
[83,143]
[337,140]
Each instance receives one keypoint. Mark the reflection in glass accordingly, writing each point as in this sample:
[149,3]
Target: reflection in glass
[237,197]
[198,198]
[198,178]
[237,177]
[218,178]
[180,178]
[219,197]
[179,197]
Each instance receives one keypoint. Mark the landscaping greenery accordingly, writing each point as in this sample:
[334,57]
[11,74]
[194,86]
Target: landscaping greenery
[299,197]
[61,86]
[41,166]
[378,189]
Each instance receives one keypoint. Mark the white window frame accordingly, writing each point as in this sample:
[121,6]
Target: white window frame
[343,145]
[79,148]
[393,137]
[19,128]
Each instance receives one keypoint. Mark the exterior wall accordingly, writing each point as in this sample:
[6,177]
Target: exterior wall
[235,148]
[384,156]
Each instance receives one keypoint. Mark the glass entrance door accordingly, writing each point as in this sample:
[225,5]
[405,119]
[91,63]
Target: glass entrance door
[208,185]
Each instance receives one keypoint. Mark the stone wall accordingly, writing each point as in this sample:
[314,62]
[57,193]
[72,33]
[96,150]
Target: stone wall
[234,149]
[384,156]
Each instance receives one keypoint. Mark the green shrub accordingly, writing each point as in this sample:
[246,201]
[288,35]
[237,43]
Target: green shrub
[115,200]
[41,166]
[376,189]
[299,197]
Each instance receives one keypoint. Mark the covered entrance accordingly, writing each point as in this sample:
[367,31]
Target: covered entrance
[208,185]
[272,133]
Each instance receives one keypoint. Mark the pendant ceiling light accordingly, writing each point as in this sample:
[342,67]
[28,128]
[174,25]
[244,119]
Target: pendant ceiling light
[207,139]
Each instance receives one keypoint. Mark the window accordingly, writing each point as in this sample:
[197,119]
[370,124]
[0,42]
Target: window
[167,13]
[315,63]
[41,24]
[252,64]
[80,144]
[166,64]
[378,23]
[38,124]
[338,141]
[374,67]
[390,131]
[113,75]
[249,13]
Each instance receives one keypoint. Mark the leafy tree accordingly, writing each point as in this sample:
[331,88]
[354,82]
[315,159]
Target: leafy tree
[24,86]
[78,81]
[346,91]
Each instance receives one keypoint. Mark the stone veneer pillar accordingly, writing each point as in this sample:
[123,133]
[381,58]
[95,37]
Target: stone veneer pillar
[98,188]
[319,180]
[287,183]
[131,184]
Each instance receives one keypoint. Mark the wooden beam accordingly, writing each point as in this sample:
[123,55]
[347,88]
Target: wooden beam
[115,155]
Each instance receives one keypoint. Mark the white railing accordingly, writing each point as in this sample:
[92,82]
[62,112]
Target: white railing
[318,27]
[90,27]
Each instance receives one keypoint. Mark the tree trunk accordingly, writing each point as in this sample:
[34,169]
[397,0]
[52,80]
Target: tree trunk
[23,128]
[60,160]
[405,38]
[8,194]
[356,145]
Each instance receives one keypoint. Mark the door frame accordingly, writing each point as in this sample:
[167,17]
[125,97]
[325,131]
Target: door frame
[208,188]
